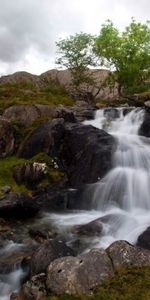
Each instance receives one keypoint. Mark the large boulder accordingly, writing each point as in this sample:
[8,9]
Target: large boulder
[6,138]
[46,253]
[76,275]
[85,153]
[124,254]
[26,114]
[18,205]
[144,239]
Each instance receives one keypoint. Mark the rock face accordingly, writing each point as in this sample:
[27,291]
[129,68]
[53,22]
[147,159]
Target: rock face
[75,275]
[26,114]
[6,138]
[18,205]
[144,239]
[46,253]
[122,253]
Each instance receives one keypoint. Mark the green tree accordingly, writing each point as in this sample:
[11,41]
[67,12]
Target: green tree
[127,53]
[76,54]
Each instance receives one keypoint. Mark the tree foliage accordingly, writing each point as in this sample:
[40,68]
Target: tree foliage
[76,54]
[127,53]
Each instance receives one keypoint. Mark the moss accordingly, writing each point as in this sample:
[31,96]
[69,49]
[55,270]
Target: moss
[132,283]
[6,178]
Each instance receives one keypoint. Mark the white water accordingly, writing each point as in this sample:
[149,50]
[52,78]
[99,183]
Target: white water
[125,191]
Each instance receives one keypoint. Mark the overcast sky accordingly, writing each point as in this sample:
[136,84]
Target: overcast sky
[30,28]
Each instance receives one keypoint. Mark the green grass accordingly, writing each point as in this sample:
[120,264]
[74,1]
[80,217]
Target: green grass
[6,178]
[131,283]
[22,93]
[7,164]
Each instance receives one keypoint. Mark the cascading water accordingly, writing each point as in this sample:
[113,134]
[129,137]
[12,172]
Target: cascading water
[123,195]
[121,199]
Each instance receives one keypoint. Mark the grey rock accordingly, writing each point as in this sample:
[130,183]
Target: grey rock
[122,254]
[46,253]
[76,275]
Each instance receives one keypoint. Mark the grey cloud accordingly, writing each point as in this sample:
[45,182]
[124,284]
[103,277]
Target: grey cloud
[27,25]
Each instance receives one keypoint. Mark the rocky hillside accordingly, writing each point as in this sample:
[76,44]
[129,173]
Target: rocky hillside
[63,78]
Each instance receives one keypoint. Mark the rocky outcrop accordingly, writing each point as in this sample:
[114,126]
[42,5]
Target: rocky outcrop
[144,239]
[6,138]
[18,205]
[76,275]
[46,253]
[26,114]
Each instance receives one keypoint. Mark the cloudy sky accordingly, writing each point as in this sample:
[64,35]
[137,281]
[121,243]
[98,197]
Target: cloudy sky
[30,28]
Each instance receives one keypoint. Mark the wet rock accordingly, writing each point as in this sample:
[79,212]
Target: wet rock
[144,239]
[144,129]
[18,205]
[6,138]
[111,113]
[11,260]
[48,252]
[122,254]
[29,174]
[26,114]
[76,275]
[35,288]
[93,228]
[15,296]
[84,153]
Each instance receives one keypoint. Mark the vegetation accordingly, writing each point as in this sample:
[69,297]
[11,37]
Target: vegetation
[25,93]
[76,54]
[126,54]
[128,284]
[6,170]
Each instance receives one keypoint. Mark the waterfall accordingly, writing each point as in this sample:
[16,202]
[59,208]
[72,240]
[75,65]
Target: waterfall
[123,195]
[121,199]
